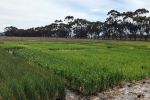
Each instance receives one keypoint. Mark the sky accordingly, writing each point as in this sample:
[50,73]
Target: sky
[32,13]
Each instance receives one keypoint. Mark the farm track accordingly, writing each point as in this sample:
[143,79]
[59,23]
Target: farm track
[139,90]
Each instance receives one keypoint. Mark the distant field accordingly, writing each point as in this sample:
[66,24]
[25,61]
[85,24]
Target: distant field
[86,66]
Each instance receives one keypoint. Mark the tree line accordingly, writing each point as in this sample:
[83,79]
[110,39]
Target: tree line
[130,25]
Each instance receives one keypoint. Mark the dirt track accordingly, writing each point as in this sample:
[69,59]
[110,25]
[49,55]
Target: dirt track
[139,90]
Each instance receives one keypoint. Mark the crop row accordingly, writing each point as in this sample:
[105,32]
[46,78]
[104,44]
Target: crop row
[21,80]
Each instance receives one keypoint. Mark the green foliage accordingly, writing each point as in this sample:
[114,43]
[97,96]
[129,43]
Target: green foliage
[96,66]
[115,27]
[21,80]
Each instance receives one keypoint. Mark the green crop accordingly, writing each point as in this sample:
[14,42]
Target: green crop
[93,65]
[21,80]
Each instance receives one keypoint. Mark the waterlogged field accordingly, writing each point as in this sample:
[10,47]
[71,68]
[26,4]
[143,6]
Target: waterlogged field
[20,80]
[86,66]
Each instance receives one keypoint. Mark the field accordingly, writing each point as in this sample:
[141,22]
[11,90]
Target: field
[21,80]
[86,67]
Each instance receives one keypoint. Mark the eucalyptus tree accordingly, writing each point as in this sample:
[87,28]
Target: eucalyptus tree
[60,29]
[106,31]
[140,23]
[10,31]
[112,23]
[69,22]
[98,28]
[141,12]
[139,18]
[55,28]
[129,24]
[80,28]
[69,18]
[118,25]
[90,31]
[147,28]
[48,30]
[94,29]
[63,30]
[39,31]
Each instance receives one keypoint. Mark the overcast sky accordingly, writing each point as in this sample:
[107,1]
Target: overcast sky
[32,13]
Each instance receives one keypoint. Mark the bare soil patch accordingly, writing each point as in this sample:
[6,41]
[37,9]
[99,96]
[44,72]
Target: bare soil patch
[139,90]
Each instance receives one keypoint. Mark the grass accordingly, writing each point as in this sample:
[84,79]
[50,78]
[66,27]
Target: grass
[22,80]
[93,65]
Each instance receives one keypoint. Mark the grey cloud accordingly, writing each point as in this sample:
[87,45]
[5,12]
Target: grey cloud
[29,13]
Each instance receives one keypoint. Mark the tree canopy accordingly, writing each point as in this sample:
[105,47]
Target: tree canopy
[131,25]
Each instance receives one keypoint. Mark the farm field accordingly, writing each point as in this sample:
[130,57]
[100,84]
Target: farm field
[86,67]
[21,80]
